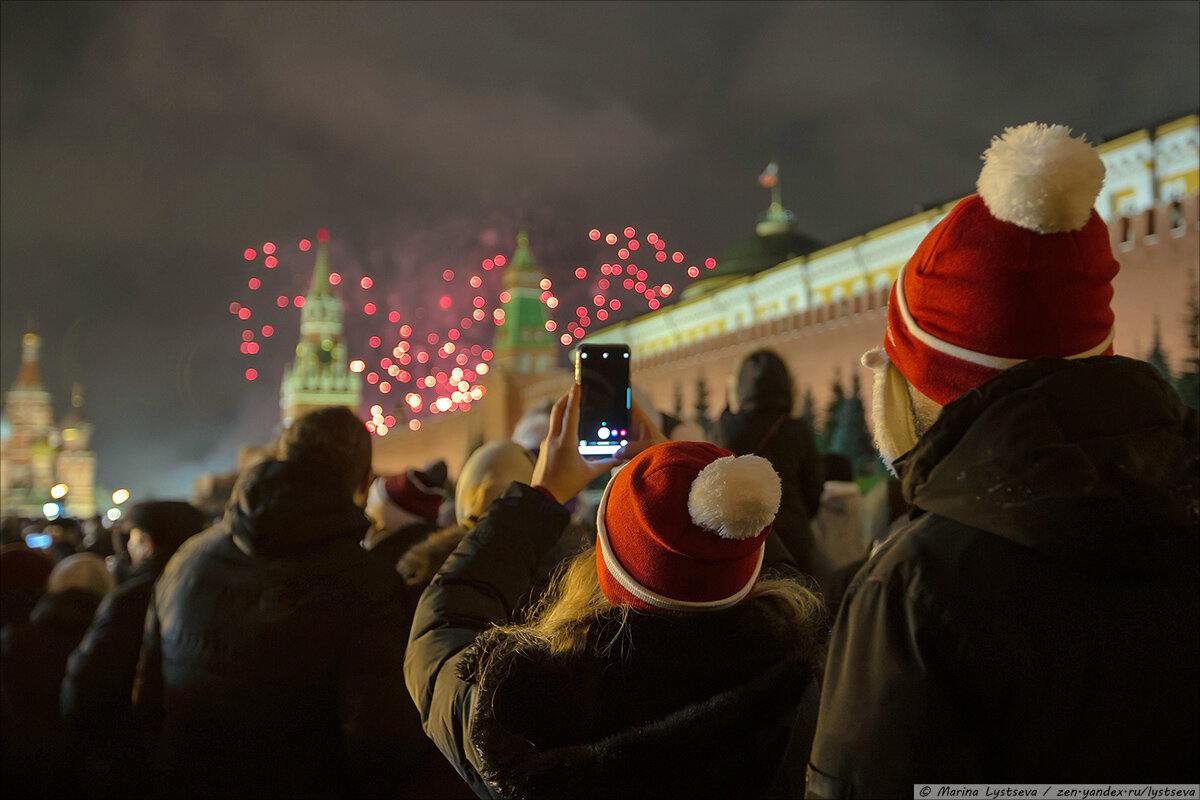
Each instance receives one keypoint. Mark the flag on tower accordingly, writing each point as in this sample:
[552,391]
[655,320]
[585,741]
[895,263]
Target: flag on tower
[770,176]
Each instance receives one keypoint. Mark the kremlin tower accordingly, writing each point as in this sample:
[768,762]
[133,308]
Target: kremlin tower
[38,456]
[320,374]
[522,344]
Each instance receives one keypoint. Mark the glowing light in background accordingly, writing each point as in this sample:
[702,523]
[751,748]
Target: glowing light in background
[253,283]
[268,247]
[120,496]
[249,254]
[251,374]
[334,279]
[58,491]
[304,245]
[366,282]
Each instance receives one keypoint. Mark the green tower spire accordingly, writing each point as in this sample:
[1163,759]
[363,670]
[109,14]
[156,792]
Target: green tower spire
[320,279]
[522,343]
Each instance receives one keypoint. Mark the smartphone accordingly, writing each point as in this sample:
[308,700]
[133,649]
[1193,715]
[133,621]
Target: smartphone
[602,372]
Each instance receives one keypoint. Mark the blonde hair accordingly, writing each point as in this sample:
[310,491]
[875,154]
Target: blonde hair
[561,621]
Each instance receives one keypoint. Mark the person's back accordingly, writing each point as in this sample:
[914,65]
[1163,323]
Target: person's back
[1052,615]
[275,644]
[34,659]
[1035,621]
[658,664]
[758,420]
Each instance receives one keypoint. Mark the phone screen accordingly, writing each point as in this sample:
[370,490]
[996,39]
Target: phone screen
[602,372]
[39,541]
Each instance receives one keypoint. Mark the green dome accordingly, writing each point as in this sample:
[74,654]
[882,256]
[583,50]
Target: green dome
[756,253]
[753,254]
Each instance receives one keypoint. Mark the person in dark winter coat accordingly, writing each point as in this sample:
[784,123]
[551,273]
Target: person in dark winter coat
[1035,621]
[758,419]
[485,475]
[403,510]
[273,651]
[43,761]
[97,689]
[23,574]
[639,673]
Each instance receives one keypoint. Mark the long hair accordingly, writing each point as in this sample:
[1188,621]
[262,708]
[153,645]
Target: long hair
[562,621]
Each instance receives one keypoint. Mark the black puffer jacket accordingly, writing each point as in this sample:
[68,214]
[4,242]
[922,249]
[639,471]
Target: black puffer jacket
[97,688]
[274,649]
[706,705]
[1037,620]
[758,420]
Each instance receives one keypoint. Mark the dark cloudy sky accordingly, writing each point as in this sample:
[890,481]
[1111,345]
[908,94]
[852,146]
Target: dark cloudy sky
[145,146]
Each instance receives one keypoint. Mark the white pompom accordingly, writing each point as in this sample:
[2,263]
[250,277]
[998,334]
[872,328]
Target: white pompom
[735,496]
[1038,177]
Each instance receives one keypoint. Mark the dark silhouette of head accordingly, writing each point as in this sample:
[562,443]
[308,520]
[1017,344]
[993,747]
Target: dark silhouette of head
[334,438]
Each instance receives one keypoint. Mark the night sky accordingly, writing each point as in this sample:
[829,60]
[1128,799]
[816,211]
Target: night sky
[145,147]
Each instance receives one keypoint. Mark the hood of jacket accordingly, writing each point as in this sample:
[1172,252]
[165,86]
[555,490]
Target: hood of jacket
[281,508]
[760,382]
[1092,461]
[701,706]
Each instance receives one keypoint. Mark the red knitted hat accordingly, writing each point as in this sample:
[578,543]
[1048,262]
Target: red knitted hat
[1020,270]
[409,492]
[682,527]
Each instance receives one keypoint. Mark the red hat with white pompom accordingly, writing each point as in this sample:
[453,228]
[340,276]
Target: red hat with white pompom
[682,528]
[1022,269]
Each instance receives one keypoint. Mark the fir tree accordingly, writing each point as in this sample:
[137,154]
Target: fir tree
[829,423]
[1188,384]
[807,413]
[851,437]
[1157,357]
[678,412]
[702,404]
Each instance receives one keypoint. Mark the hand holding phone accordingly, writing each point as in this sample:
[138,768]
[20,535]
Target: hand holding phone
[560,468]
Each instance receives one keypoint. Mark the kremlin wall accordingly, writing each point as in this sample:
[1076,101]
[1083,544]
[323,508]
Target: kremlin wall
[822,308]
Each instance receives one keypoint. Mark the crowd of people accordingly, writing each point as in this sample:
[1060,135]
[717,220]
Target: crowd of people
[733,617]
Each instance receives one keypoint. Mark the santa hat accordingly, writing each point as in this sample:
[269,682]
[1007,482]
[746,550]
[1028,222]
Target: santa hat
[1022,269]
[411,496]
[682,528]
